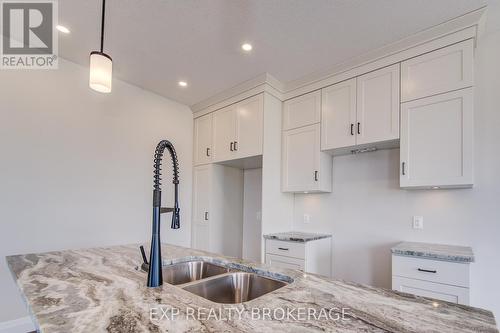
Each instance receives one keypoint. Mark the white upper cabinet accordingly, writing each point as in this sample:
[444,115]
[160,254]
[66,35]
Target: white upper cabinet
[437,141]
[443,70]
[203,139]
[249,127]
[302,111]
[305,167]
[238,130]
[338,115]
[224,134]
[378,106]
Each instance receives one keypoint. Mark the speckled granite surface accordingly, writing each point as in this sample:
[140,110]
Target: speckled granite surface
[100,290]
[443,252]
[296,236]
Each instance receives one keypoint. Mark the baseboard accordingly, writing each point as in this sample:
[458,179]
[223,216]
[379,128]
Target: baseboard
[21,325]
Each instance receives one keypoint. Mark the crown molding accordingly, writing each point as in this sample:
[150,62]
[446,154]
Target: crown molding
[455,30]
[262,83]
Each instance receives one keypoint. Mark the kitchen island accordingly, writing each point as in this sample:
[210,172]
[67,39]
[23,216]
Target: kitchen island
[104,290]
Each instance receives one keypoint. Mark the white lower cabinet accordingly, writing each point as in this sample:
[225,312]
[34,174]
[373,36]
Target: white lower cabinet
[202,176]
[312,257]
[437,141]
[217,209]
[285,262]
[442,280]
[443,292]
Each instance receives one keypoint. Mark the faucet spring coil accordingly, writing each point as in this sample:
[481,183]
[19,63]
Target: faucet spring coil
[160,148]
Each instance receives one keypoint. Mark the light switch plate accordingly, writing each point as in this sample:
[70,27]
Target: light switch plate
[307,218]
[418,222]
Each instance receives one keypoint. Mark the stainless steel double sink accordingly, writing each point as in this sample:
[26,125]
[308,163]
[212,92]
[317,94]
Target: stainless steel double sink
[217,283]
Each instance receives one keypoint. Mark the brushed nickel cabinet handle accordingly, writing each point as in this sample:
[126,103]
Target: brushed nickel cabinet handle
[352,129]
[359,128]
[206,216]
[427,270]
[208,151]
[231,146]
[315,176]
[403,171]
[283,248]
[236,145]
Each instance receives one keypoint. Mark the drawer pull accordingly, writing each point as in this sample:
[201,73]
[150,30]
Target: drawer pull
[282,248]
[427,270]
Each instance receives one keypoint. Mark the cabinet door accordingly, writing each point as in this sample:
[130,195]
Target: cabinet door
[301,161]
[302,111]
[378,106]
[224,127]
[437,141]
[201,205]
[447,69]
[338,115]
[249,127]
[203,139]
[201,241]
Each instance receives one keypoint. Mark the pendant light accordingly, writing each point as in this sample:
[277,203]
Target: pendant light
[101,64]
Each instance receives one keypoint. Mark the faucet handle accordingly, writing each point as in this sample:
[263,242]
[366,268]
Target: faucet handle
[145,264]
[144,258]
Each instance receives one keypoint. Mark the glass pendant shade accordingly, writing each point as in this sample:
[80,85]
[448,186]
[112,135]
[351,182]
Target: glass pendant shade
[101,72]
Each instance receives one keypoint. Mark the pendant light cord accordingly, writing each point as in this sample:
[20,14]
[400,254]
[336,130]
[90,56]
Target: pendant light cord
[102,24]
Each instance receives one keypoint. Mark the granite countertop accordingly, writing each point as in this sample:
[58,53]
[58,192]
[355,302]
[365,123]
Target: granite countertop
[101,290]
[453,253]
[296,236]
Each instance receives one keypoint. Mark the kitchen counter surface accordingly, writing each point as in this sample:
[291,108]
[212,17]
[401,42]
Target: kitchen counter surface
[296,236]
[453,253]
[101,290]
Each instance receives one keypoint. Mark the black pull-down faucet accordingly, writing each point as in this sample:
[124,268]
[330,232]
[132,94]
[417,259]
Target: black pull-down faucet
[155,278]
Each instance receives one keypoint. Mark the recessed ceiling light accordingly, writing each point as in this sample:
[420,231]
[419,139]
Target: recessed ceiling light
[63,29]
[435,187]
[246,47]
[183,83]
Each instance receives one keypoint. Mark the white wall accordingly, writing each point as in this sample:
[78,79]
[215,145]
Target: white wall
[252,214]
[368,213]
[76,166]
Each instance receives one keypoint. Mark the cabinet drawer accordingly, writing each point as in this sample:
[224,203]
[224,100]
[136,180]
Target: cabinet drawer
[288,249]
[443,70]
[438,291]
[455,274]
[285,262]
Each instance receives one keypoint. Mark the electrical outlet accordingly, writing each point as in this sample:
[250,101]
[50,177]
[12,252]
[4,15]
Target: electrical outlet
[418,222]
[307,218]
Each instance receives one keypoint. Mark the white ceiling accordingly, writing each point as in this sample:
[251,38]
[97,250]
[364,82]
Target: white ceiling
[156,43]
